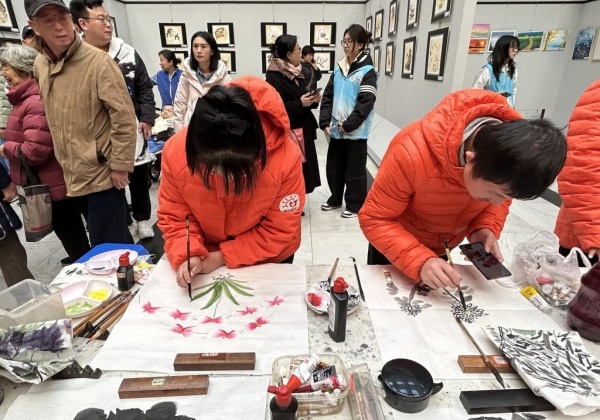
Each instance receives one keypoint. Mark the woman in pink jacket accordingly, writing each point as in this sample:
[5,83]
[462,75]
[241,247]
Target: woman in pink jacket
[28,136]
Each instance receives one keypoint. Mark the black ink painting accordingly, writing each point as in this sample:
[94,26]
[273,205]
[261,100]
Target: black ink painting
[162,411]
[408,304]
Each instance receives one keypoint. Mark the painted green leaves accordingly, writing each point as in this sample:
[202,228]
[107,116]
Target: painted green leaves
[222,285]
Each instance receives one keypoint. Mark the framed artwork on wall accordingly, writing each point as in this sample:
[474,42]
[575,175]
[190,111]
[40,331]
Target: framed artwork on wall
[182,55]
[389,58]
[269,31]
[228,57]
[494,35]
[378,25]
[530,40]
[408,57]
[479,37]
[376,58]
[113,24]
[441,9]
[412,14]
[266,60]
[223,33]
[595,53]
[172,34]
[8,23]
[369,24]
[555,40]
[583,44]
[393,18]
[322,34]
[325,60]
[437,45]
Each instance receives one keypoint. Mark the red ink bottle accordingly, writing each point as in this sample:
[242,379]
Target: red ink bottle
[583,313]
[338,310]
[284,406]
[125,279]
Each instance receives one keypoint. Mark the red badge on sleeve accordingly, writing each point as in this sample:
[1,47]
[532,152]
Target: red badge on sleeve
[289,203]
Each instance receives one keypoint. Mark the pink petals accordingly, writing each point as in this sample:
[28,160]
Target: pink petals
[177,314]
[276,301]
[224,334]
[149,308]
[185,331]
[209,320]
[248,311]
[259,321]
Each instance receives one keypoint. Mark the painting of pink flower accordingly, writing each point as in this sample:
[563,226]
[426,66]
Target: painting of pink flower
[209,320]
[185,331]
[149,308]
[177,314]
[259,321]
[248,311]
[224,334]
[276,301]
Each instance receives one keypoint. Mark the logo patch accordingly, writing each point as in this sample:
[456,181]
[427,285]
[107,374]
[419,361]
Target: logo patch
[289,203]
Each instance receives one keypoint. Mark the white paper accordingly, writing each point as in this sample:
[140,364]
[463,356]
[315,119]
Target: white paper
[161,321]
[227,398]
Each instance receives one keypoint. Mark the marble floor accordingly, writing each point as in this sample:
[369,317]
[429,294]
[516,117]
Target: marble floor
[325,235]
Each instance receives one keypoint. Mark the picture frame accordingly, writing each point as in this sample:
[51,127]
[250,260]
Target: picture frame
[228,57]
[437,48]
[325,61]
[182,55]
[376,58]
[494,35]
[409,51]
[172,35]
[595,52]
[389,58]
[223,33]
[555,40]
[378,25]
[583,43]
[530,40]
[480,33]
[269,31]
[266,60]
[441,9]
[369,24]
[8,22]
[113,24]
[322,34]
[412,14]
[393,18]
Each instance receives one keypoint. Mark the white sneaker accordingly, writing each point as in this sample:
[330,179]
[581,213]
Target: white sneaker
[145,229]
[349,215]
[133,229]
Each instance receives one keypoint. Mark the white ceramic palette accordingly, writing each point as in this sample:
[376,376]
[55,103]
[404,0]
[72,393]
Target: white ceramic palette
[107,262]
[81,298]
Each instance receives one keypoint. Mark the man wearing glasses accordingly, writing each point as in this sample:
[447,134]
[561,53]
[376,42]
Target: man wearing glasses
[90,115]
[93,19]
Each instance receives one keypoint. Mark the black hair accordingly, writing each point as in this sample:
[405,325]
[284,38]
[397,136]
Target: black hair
[524,155]
[170,56]
[283,45]
[212,43]
[79,9]
[359,35]
[307,49]
[211,147]
[500,56]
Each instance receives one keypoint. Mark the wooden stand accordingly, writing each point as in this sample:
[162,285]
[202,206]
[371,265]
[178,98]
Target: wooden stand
[163,386]
[214,361]
[475,364]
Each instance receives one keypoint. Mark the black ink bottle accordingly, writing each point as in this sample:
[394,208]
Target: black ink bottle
[284,406]
[338,310]
[125,279]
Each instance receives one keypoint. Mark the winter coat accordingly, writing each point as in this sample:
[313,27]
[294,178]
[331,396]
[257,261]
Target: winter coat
[577,224]
[167,85]
[9,221]
[311,75]
[349,98]
[419,196]
[262,226]
[4,103]
[300,117]
[27,128]
[90,115]
[139,87]
[190,89]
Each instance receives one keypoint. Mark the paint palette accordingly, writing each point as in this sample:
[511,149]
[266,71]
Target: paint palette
[317,297]
[107,262]
[83,297]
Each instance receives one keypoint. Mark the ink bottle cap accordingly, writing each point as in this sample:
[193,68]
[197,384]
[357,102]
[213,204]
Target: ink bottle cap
[340,285]
[124,259]
[302,373]
[283,397]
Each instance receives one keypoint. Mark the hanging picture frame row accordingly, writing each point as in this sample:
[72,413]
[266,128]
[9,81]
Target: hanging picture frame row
[8,22]
[325,60]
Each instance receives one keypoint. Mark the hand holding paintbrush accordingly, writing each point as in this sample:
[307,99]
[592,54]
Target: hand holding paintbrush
[460,293]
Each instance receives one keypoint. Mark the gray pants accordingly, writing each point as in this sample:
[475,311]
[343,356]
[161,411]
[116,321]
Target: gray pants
[13,260]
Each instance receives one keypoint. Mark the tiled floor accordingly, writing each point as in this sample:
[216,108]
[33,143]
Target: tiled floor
[325,235]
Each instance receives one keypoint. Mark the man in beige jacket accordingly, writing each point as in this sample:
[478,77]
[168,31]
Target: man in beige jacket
[90,115]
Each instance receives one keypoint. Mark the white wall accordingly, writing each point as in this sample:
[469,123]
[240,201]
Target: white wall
[119,11]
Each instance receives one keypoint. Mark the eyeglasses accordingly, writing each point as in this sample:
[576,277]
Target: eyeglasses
[346,42]
[297,49]
[104,20]
[49,20]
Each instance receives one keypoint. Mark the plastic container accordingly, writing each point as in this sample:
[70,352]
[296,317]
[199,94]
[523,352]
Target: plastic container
[362,396]
[315,403]
[30,301]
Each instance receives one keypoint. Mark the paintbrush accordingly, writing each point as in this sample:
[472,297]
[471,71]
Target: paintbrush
[114,309]
[460,293]
[489,364]
[187,238]
[109,322]
[100,310]
[362,295]
[332,272]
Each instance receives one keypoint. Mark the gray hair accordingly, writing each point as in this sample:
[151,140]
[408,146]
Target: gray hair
[19,57]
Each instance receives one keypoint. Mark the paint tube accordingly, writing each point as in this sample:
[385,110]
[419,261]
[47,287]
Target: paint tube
[324,380]
[388,277]
[302,373]
[534,297]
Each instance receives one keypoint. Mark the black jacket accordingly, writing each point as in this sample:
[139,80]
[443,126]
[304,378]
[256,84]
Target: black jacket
[9,221]
[311,76]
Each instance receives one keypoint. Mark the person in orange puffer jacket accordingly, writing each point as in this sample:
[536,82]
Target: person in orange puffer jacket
[579,182]
[451,175]
[237,175]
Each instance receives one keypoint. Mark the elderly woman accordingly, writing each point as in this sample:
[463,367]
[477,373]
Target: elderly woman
[28,138]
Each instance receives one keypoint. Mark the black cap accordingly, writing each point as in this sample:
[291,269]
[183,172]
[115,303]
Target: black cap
[27,31]
[34,6]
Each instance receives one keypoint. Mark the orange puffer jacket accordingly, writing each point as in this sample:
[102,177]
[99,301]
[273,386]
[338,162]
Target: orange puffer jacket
[258,227]
[419,196]
[577,224]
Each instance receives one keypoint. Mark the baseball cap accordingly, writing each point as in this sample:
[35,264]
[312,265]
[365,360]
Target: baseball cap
[34,6]
[26,31]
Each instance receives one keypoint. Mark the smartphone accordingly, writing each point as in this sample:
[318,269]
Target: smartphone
[485,262]
[506,94]
[316,91]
